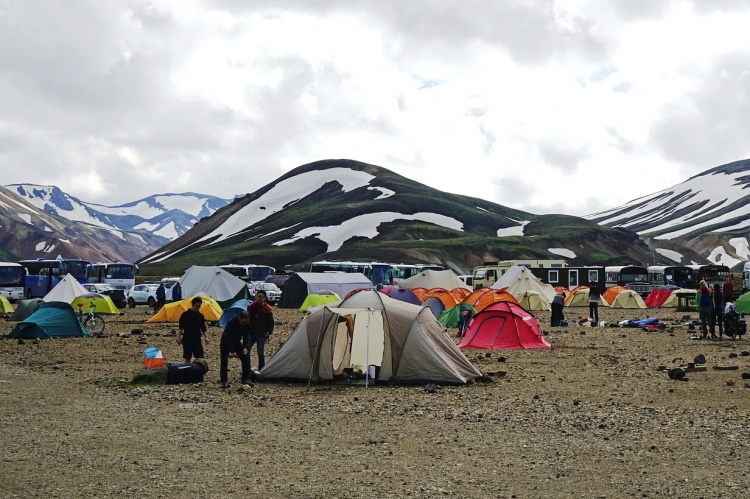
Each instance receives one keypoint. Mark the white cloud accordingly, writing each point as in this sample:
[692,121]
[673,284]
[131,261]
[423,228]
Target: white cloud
[540,106]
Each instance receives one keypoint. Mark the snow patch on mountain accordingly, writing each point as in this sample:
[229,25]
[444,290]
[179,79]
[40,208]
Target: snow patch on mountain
[741,247]
[365,226]
[169,231]
[512,231]
[562,252]
[672,255]
[719,256]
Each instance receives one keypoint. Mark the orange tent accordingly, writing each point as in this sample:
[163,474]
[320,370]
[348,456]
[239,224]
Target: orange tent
[443,295]
[460,294]
[484,297]
[561,288]
[421,293]
[611,293]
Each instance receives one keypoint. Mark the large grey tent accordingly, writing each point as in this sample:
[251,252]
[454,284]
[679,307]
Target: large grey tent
[214,282]
[370,329]
[298,286]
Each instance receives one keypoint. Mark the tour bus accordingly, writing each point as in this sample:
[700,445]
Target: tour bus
[249,273]
[378,273]
[631,276]
[678,275]
[571,277]
[489,272]
[43,275]
[712,274]
[12,280]
[401,271]
[118,275]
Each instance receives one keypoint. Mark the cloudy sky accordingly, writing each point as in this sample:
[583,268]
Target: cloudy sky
[550,106]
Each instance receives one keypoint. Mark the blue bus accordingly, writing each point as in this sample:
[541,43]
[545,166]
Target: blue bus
[43,275]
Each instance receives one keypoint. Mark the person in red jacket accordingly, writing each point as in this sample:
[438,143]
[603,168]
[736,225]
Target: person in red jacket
[261,325]
[728,291]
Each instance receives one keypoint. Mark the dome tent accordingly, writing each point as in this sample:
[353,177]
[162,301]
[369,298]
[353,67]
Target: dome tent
[370,328]
[503,325]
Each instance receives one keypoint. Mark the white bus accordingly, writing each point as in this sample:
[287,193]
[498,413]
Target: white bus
[249,273]
[11,280]
[118,275]
[378,273]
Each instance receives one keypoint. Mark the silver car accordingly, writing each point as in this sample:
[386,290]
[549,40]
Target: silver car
[142,294]
[273,293]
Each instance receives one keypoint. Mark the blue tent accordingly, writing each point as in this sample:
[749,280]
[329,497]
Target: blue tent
[435,304]
[51,320]
[233,311]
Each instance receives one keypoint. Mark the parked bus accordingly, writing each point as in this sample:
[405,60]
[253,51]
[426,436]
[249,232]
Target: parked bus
[378,273]
[249,273]
[486,274]
[401,271]
[118,275]
[571,277]
[12,280]
[712,274]
[631,276]
[678,275]
[43,275]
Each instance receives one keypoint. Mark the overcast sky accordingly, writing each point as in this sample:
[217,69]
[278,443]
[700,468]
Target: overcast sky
[556,106]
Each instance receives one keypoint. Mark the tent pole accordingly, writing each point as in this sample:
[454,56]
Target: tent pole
[367,350]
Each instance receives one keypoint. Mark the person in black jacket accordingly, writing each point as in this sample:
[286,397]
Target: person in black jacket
[261,325]
[717,311]
[233,344]
[192,328]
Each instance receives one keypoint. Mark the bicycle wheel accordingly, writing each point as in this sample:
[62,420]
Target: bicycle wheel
[95,325]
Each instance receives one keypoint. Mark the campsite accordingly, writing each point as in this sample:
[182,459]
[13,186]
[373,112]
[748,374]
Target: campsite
[595,415]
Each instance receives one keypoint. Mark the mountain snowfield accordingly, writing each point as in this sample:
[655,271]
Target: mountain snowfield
[150,214]
[716,201]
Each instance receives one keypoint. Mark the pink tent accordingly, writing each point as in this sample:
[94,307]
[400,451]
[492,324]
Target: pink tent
[503,325]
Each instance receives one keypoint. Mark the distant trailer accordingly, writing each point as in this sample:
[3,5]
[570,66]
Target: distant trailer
[572,277]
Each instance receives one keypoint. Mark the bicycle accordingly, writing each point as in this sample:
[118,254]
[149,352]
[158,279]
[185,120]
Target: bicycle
[93,323]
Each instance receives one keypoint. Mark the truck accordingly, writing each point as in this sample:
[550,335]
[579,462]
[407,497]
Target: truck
[488,273]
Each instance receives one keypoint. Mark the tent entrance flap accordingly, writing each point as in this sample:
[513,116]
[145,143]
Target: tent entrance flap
[358,340]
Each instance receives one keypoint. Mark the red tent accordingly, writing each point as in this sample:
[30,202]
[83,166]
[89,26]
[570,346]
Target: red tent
[503,325]
[657,296]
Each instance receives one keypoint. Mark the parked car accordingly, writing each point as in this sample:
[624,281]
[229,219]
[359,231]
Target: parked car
[117,295]
[142,294]
[273,293]
[278,280]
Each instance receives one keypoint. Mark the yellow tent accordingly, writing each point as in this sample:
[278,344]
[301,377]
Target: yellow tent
[102,304]
[5,306]
[171,312]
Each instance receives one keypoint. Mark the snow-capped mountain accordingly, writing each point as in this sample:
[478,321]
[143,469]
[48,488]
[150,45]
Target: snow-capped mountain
[709,213]
[165,215]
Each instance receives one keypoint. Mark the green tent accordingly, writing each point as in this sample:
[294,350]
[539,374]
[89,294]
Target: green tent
[449,316]
[51,320]
[317,299]
[743,304]
[25,308]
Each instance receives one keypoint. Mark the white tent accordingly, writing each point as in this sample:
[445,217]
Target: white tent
[371,329]
[66,290]
[519,279]
[429,279]
[301,284]
[533,300]
[214,282]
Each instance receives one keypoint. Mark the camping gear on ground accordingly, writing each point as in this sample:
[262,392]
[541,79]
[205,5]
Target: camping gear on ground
[214,282]
[181,374]
[51,320]
[504,325]
[370,328]
[154,358]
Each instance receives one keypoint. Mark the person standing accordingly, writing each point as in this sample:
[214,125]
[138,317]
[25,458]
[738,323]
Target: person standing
[558,302]
[192,328]
[594,297]
[233,344]
[261,325]
[161,296]
[704,304]
[177,292]
[717,311]
[728,291]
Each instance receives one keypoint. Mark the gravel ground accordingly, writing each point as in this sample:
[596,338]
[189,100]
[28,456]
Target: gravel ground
[592,417]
